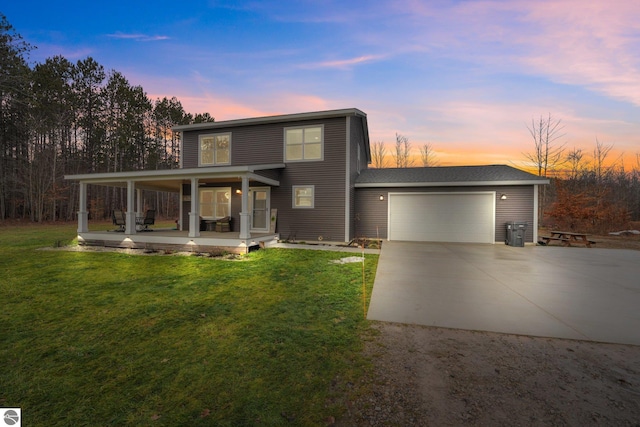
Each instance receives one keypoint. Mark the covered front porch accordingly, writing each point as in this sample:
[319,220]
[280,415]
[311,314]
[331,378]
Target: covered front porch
[187,183]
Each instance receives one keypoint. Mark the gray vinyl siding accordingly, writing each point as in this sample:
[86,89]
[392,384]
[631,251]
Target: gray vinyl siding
[264,144]
[357,139]
[326,220]
[517,207]
[258,144]
[373,213]
[190,149]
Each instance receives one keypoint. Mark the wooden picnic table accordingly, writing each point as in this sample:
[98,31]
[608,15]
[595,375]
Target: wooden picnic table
[566,238]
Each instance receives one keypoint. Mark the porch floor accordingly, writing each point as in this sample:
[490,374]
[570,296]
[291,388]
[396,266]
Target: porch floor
[171,239]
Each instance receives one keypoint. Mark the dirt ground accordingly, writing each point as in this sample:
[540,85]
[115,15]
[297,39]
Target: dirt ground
[427,376]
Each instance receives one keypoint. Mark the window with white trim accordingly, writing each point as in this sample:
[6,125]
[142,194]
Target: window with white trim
[303,143]
[215,202]
[214,149]
[303,196]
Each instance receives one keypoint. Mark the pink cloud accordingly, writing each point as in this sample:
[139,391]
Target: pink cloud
[224,107]
[344,63]
[592,44]
[219,108]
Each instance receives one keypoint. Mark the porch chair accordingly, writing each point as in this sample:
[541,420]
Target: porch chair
[223,224]
[149,219]
[118,219]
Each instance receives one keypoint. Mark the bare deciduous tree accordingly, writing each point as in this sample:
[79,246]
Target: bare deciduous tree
[378,154]
[574,159]
[548,150]
[600,154]
[402,155]
[428,156]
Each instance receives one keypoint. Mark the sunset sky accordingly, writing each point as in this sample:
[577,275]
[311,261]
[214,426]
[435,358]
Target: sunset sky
[466,77]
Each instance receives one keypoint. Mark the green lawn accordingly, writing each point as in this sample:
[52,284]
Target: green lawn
[97,339]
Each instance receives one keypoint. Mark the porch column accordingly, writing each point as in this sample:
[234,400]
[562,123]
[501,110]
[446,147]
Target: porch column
[194,215]
[130,217]
[245,215]
[83,215]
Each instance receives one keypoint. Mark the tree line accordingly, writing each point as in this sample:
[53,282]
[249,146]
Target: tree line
[61,117]
[589,191]
[402,154]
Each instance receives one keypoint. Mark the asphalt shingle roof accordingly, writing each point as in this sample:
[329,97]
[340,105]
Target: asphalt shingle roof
[448,174]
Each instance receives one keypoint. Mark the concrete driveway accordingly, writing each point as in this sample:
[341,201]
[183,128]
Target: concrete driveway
[577,293]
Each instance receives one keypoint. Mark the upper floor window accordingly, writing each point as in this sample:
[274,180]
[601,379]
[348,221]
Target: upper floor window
[215,149]
[303,143]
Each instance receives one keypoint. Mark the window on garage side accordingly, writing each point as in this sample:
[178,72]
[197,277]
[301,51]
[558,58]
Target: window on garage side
[303,196]
[303,143]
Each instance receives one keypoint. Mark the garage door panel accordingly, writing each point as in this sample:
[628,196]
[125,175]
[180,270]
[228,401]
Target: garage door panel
[442,217]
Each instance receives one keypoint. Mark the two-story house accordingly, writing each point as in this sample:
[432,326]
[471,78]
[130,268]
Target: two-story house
[305,177]
[292,172]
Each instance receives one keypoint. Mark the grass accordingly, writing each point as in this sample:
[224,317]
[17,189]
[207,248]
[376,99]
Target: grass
[91,339]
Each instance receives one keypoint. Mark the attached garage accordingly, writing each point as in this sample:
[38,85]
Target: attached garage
[442,217]
[466,204]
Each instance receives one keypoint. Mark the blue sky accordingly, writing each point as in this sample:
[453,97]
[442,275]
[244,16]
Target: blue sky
[466,77]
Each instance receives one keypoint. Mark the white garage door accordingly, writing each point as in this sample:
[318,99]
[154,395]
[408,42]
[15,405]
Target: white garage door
[442,217]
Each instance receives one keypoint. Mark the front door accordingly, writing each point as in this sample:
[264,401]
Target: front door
[260,201]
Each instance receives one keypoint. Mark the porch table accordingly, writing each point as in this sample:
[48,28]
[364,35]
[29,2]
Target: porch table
[566,238]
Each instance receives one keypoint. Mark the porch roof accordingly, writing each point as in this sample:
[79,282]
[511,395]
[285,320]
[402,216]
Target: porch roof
[171,179]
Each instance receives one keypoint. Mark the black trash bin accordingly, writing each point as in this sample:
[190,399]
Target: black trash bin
[515,233]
